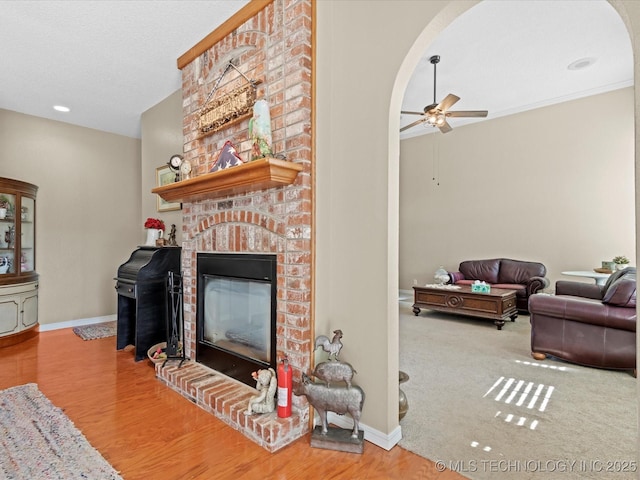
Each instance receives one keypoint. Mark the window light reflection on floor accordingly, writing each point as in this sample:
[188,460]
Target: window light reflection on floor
[544,365]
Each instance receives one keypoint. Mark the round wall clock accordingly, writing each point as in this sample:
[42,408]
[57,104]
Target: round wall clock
[175,161]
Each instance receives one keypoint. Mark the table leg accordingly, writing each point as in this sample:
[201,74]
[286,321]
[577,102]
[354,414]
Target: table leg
[499,324]
[416,311]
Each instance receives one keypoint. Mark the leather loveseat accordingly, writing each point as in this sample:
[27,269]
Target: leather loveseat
[526,278]
[587,324]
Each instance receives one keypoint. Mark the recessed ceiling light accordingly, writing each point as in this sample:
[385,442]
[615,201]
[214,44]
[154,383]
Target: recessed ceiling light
[61,108]
[581,63]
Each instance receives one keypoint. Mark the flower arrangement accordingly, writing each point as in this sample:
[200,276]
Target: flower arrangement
[154,223]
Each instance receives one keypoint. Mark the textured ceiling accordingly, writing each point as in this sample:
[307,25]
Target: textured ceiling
[110,61]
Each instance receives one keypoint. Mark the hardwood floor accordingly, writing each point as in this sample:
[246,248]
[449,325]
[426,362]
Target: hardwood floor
[146,430]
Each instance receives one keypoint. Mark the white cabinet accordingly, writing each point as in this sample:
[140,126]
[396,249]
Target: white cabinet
[18,308]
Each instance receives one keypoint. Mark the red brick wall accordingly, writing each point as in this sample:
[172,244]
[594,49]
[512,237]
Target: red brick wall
[274,47]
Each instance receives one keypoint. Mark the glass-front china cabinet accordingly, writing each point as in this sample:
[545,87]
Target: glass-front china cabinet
[18,277]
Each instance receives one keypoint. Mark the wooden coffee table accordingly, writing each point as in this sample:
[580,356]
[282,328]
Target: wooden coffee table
[499,305]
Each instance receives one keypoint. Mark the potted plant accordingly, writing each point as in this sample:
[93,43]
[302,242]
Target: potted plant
[621,262]
[5,206]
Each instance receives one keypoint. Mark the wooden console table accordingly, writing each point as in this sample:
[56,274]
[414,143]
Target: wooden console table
[499,305]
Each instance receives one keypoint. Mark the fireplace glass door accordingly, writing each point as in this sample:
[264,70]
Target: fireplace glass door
[237,316]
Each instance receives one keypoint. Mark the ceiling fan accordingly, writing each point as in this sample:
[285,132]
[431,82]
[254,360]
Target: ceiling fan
[436,114]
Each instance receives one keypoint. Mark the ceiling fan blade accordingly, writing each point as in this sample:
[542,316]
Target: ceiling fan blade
[468,113]
[411,113]
[406,127]
[448,102]
[445,128]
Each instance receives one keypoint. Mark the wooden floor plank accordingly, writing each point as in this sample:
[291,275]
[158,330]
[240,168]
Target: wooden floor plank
[145,429]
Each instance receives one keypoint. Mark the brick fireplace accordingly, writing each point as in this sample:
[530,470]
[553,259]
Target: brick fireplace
[273,46]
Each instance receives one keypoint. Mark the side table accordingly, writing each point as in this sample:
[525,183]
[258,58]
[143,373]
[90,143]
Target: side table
[600,278]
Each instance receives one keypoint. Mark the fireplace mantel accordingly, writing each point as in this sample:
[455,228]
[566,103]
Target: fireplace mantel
[256,175]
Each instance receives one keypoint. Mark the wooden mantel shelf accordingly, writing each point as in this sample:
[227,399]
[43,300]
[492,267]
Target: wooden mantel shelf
[256,175]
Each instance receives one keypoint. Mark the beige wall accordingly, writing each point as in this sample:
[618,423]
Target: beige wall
[161,137]
[94,195]
[356,222]
[88,209]
[361,78]
[522,187]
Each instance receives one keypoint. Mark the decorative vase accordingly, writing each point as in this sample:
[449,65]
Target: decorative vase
[403,406]
[153,234]
[260,130]
[621,266]
[441,276]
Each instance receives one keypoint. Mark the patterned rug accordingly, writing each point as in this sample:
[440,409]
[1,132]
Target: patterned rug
[38,441]
[96,330]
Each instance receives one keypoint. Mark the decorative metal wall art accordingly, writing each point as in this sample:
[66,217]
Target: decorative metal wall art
[233,106]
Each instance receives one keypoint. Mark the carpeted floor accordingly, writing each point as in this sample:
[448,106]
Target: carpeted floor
[96,330]
[481,405]
[38,441]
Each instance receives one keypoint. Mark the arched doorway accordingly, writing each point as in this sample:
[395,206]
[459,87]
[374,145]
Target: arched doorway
[427,36]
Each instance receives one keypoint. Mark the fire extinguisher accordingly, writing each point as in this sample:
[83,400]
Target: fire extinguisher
[285,384]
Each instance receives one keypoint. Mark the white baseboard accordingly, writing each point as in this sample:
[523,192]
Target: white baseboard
[77,323]
[383,440]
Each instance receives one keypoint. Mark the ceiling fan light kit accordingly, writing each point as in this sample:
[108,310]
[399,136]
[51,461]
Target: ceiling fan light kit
[436,114]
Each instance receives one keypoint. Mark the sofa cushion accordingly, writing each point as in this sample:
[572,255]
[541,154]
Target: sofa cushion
[484,270]
[516,271]
[581,310]
[455,277]
[616,275]
[622,292]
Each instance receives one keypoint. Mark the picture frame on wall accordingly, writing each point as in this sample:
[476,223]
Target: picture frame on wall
[165,176]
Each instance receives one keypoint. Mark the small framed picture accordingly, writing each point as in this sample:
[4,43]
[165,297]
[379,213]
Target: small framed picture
[165,176]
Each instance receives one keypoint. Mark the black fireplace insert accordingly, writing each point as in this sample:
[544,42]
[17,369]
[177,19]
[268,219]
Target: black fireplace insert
[236,313]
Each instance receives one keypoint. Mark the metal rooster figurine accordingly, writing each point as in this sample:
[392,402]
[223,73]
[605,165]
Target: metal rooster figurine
[331,347]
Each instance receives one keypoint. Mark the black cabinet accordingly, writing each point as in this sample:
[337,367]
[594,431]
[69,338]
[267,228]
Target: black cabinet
[142,297]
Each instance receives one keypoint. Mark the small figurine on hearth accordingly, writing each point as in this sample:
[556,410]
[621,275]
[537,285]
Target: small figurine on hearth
[266,384]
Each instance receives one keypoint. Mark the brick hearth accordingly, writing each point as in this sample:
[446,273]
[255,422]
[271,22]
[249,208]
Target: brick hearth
[274,47]
[227,399]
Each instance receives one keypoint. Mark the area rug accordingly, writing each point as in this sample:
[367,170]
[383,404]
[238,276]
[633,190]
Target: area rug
[480,405]
[38,441]
[96,330]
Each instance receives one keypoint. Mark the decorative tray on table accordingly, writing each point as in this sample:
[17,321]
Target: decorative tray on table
[602,270]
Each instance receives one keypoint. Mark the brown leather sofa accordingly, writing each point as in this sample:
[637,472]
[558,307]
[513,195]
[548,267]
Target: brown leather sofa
[526,278]
[587,324]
